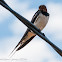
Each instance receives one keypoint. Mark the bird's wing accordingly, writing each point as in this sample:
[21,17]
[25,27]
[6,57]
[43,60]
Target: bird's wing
[28,30]
[21,44]
[35,16]
[25,43]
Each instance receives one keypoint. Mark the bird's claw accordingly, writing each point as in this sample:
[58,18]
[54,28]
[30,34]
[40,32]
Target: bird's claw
[43,34]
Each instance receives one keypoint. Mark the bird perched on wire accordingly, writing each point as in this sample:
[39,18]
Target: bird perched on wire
[40,20]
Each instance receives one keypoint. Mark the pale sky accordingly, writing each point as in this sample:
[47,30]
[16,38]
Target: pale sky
[12,30]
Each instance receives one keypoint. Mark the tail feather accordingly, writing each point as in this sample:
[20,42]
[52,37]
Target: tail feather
[14,51]
[20,45]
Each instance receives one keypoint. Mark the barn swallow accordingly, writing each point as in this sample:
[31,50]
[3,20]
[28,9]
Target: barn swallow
[40,20]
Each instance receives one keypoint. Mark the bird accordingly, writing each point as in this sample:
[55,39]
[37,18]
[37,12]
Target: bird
[40,19]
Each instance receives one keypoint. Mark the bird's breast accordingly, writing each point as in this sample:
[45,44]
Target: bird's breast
[41,21]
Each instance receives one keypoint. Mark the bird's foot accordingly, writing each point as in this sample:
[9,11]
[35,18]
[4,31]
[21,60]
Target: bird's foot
[43,34]
[40,31]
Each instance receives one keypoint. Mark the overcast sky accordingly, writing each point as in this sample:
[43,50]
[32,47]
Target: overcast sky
[12,30]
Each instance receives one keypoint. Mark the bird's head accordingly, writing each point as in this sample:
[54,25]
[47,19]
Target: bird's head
[43,8]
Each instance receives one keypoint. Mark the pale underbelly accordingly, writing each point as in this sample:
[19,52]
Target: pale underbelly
[40,25]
